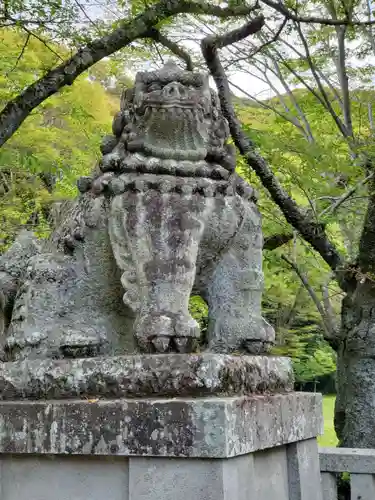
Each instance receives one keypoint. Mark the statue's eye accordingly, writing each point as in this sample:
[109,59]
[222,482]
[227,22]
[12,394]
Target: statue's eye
[153,86]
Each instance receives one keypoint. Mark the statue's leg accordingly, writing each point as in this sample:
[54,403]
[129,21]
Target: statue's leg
[234,292]
[156,238]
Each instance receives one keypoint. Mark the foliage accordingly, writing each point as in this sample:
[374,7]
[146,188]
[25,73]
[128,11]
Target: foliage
[58,142]
[199,310]
[309,173]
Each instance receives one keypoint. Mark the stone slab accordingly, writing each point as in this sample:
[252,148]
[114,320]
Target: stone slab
[175,427]
[138,376]
[262,475]
[64,478]
[359,461]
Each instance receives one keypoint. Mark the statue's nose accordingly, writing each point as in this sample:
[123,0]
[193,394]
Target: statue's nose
[174,90]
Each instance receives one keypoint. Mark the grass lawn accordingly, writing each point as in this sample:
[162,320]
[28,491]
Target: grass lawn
[329,437]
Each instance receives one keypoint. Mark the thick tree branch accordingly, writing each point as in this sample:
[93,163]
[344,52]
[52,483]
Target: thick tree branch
[277,240]
[17,110]
[309,229]
[172,46]
[234,36]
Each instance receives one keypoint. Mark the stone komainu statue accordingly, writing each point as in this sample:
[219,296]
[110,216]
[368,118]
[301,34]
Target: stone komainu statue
[164,216]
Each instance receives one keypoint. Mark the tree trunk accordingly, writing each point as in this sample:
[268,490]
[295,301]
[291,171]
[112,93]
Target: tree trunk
[355,404]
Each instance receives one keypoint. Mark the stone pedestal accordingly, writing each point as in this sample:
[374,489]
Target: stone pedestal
[233,438]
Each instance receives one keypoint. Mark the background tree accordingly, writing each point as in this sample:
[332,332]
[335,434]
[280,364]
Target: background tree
[354,409]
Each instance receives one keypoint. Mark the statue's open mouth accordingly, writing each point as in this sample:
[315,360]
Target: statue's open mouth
[198,108]
[174,130]
[172,117]
[172,103]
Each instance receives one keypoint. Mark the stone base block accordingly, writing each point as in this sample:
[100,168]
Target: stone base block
[289,472]
[255,447]
[138,376]
[179,427]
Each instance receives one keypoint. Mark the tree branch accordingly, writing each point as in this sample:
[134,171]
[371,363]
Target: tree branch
[20,54]
[234,36]
[310,230]
[282,9]
[83,10]
[265,44]
[344,131]
[290,118]
[41,40]
[331,332]
[17,110]
[277,240]
[334,207]
[330,313]
[172,46]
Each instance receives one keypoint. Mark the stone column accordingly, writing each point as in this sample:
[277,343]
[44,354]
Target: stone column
[158,427]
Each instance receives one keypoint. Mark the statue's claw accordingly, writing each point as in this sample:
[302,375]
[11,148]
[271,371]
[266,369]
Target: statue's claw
[161,344]
[164,333]
[185,344]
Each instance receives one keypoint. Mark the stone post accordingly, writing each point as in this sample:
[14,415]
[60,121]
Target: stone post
[157,427]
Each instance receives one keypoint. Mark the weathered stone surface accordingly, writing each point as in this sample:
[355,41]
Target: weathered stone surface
[12,264]
[199,427]
[262,475]
[152,375]
[358,461]
[304,470]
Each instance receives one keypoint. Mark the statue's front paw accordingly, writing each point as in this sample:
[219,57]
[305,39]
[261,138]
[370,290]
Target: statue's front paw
[187,334]
[264,344]
[164,333]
